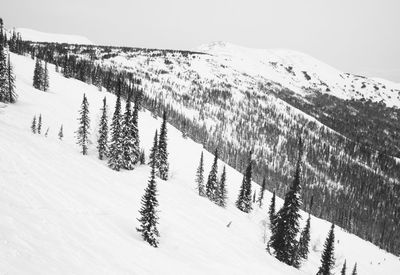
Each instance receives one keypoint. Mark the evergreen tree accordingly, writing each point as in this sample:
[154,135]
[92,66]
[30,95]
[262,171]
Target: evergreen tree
[343,271]
[286,223]
[129,154]
[271,212]
[11,94]
[134,128]
[82,134]
[212,182]
[45,78]
[153,161]
[243,202]
[102,141]
[327,259]
[3,74]
[148,213]
[38,75]
[115,151]
[162,149]
[61,133]
[142,157]
[261,195]
[33,125]
[47,132]
[354,270]
[200,177]
[222,192]
[39,125]
[303,247]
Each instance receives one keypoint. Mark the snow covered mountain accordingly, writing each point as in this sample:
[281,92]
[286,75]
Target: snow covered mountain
[65,213]
[38,36]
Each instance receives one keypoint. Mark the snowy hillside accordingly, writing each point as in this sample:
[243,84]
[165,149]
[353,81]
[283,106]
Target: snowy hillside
[64,213]
[38,36]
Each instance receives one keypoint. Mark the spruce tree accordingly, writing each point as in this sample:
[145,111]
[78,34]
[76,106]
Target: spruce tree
[38,75]
[153,158]
[212,181]
[271,211]
[354,270]
[261,195]
[39,125]
[129,154]
[162,149]
[327,259]
[11,94]
[102,141]
[3,75]
[115,151]
[134,128]
[343,271]
[33,125]
[61,133]
[82,134]
[142,157]
[303,246]
[222,192]
[200,177]
[148,212]
[243,202]
[286,223]
[45,78]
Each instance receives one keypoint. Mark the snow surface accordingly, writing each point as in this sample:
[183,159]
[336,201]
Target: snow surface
[38,36]
[64,213]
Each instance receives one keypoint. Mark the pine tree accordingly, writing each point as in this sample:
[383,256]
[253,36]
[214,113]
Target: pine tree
[200,177]
[82,134]
[142,157]
[343,271]
[33,125]
[212,182]
[303,246]
[148,213]
[243,202]
[261,195]
[286,222]
[47,132]
[222,192]
[38,75]
[271,212]
[162,149]
[39,125]
[354,270]
[327,259]
[102,141]
[61,133]
[115,151]
[153,161]
[11,94]
[45,78]
[134,128]
[129,156]
[3,74]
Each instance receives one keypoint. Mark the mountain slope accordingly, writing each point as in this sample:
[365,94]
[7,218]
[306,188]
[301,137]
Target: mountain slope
[38,36]
[69,214]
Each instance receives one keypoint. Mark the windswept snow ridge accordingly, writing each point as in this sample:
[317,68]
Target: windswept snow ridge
[38,36]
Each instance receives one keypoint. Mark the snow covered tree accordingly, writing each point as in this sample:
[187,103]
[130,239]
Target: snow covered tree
[162,149]
[45,78]
[271,211]
[286,223]
[39,125]
[354,272]
[212,181]
[142,157]
[153,158]
[200,177]
[343,271]
[148,212]
[33,125]
[303,246]
[11,95]
[327,259]
[134,128]
[243,202]
[115,151]
[82,134]
[102,141]
[61,133]
[261,195]
[38,75]
[130,154]
[222,192]
[3,74]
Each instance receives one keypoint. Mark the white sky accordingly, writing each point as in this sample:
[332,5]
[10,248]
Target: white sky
[358,36]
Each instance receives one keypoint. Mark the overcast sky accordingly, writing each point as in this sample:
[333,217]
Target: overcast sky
[358,36]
